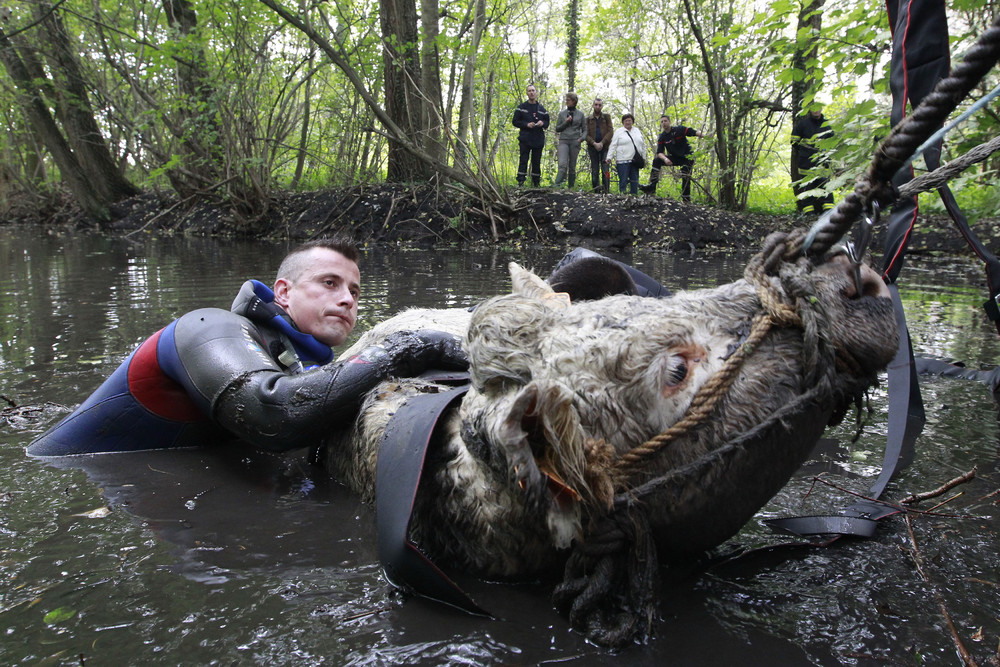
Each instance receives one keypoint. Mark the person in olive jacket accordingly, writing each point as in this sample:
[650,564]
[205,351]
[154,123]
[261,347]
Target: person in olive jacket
[599,132]
[571,129]
[532,119]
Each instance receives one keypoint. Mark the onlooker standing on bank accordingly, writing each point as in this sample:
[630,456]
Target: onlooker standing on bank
[807,130]
[673,149]
[571,128]
[626,144]
[532,118]
[599,131]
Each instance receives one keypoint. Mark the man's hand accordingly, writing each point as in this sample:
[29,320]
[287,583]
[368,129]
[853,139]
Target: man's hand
[410,353]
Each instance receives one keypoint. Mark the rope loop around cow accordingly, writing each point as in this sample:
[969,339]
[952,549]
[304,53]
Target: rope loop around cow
[780,274]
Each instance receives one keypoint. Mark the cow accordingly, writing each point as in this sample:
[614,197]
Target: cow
[543,446]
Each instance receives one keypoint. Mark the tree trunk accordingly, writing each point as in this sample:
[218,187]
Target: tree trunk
[300,159]
[806,51]
[204,162]
[430,80]
[727,178]
[469,83]
[91,190]
[572,42]
[403,102]
[75,113]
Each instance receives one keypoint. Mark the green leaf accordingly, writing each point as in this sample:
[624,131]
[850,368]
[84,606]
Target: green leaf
[58,615]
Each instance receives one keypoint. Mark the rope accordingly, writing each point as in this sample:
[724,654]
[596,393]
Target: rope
[610,578]
[905,140]
[787,297]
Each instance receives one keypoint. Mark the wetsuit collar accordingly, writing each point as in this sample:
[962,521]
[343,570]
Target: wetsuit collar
[255,301]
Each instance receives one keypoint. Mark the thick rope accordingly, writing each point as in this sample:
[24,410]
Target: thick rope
[904,140]
[779,274]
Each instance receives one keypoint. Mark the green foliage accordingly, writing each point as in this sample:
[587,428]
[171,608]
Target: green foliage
[219,107]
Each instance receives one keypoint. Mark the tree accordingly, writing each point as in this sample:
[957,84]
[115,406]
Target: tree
[71,134]
[807,73]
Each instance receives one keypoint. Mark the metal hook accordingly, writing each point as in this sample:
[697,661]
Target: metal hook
[858,246]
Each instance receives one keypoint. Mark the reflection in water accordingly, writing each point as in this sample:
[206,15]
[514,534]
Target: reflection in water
[224,555]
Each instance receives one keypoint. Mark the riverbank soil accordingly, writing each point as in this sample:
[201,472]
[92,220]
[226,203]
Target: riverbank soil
[390,214]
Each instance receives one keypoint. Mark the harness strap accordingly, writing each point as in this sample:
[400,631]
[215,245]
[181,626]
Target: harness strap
[401,459]
[906,421]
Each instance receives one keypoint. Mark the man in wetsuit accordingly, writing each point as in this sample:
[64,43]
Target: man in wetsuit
[259,372]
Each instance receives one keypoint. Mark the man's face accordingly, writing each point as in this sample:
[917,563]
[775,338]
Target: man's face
[665,123]
[532,93]
[323,300]
[598,105]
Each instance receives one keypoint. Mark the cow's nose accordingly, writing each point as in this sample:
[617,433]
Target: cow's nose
[872,283]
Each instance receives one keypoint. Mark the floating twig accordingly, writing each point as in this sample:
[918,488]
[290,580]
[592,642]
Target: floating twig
[941,490]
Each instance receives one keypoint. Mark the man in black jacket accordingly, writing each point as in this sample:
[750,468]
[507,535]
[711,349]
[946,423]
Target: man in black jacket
[532,119]
[807,130]
[672,150]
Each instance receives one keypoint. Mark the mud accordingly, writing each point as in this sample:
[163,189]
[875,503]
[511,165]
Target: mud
[426,215]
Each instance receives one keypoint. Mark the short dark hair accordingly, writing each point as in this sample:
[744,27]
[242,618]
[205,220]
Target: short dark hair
[628,115]
[662,116]
[291,267]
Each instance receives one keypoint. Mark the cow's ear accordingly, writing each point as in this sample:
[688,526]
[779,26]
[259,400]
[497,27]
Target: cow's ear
[526,283]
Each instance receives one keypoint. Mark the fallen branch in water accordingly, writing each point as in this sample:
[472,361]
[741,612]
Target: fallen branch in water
[900,506]
[944,488]
[918,561]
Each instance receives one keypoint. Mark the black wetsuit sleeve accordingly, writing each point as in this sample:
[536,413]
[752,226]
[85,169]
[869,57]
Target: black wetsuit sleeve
[252,397]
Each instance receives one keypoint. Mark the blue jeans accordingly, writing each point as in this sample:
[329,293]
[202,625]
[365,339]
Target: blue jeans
[628,174]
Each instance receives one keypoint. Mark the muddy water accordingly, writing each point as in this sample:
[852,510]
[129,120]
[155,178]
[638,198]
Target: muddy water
[220,557]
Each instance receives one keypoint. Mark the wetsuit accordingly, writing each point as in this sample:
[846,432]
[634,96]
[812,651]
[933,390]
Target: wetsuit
[247,373]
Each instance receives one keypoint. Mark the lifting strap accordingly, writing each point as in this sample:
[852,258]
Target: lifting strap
[401,459]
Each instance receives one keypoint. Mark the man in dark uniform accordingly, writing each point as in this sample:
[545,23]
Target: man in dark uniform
[672,149]
[260,372]
[532,119]
[807,130]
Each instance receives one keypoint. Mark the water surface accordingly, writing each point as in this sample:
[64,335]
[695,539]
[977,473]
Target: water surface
[223,556]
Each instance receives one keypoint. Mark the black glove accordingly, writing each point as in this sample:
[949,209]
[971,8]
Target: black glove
[410,353]
[280,411]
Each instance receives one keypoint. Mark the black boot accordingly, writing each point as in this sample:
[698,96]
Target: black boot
[654,178]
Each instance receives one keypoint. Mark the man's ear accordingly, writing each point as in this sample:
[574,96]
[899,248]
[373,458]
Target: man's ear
[281,286]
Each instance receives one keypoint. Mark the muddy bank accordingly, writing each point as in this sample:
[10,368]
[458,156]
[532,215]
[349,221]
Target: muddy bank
[388,214]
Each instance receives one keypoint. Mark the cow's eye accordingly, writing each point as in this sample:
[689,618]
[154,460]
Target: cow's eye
[676,369]
[677,372]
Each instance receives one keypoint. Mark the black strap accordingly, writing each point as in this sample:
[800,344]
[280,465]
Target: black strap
[400,465]
[906,421]
[634,147]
